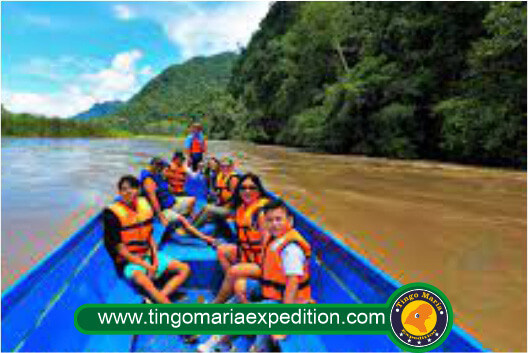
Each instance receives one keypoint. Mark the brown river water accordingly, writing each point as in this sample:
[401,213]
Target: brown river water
[461,229]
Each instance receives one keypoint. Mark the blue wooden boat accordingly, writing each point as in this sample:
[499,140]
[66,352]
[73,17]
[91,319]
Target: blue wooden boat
[38,311]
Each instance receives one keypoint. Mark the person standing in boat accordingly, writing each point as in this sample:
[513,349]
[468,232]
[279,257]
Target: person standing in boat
[129,241]
[245,258]
[176,174]
[195,146]
[156,189]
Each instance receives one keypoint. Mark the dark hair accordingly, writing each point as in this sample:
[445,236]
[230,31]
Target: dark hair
[158,164]
[177,155]
[130,179]
[237,200]
[214,159]
[276,204]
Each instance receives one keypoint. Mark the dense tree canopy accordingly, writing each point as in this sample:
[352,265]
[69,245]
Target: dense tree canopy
[440,80]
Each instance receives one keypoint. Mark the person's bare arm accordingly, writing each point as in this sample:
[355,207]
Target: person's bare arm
[191,229]
[292,286]
[290,294]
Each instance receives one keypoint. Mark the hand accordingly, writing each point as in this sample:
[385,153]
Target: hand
[278,337]
[216,243]
[151,271]
[213,242]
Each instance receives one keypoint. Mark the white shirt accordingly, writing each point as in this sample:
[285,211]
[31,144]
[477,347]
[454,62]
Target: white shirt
[293,260]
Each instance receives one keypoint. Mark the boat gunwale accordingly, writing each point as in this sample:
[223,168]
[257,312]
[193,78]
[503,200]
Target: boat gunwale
[364,261]
[10,295]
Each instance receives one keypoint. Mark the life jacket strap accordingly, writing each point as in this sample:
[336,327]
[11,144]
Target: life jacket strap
[138,225]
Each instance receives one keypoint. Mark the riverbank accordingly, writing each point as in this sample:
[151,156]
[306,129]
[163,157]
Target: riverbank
[28,125]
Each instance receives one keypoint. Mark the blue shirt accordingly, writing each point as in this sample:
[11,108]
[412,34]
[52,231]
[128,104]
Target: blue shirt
[190,137]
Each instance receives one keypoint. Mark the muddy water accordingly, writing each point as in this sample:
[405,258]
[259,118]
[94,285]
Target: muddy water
[461,229]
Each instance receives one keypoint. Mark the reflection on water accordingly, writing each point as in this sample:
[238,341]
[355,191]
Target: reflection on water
[460,229]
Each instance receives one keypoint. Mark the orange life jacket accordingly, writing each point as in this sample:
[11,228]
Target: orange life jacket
[222,185]
[136,225]
[273,276]
[176,177]
[249,238]
[197,145]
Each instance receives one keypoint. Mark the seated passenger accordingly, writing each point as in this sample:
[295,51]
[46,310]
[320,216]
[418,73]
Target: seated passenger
[129,241]
[285,268]
[285,272]
[211,170]
[156,189]
[176,174]
[244,258]
[225,182]
[285,264]
[224,187]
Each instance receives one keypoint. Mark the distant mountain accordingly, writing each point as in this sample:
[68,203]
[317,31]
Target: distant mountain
[179,91]
[99,109]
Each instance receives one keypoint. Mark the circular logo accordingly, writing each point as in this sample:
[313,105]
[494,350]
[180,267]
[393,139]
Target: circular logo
[420,317]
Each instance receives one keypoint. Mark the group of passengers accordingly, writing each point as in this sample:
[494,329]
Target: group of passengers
[267,263]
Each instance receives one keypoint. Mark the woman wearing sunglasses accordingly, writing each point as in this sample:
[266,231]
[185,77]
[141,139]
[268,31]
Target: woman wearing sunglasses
[245,258]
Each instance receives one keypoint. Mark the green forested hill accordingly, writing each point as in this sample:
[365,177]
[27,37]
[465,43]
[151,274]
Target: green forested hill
[165,104]
[436,80]
[29,125]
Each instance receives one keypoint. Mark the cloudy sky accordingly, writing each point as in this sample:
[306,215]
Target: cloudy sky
[59,58]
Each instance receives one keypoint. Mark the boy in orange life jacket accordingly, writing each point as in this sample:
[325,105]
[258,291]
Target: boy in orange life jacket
[285,274]
[285,264]
[176,174]
[128,239]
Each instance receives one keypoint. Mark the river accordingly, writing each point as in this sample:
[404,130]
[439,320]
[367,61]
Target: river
[462,229]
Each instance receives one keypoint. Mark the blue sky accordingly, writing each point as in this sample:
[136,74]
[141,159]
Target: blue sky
[59,58]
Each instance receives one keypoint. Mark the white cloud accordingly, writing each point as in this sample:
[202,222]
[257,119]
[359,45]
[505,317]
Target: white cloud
[62,104]
[119,80]
[123,12]
[125,61]
[59,70]
[201,29]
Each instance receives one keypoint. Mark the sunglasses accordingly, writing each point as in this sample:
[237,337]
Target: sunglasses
[248,188]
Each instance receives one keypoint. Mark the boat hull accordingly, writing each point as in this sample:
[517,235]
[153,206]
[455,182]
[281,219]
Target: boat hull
[38,311]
